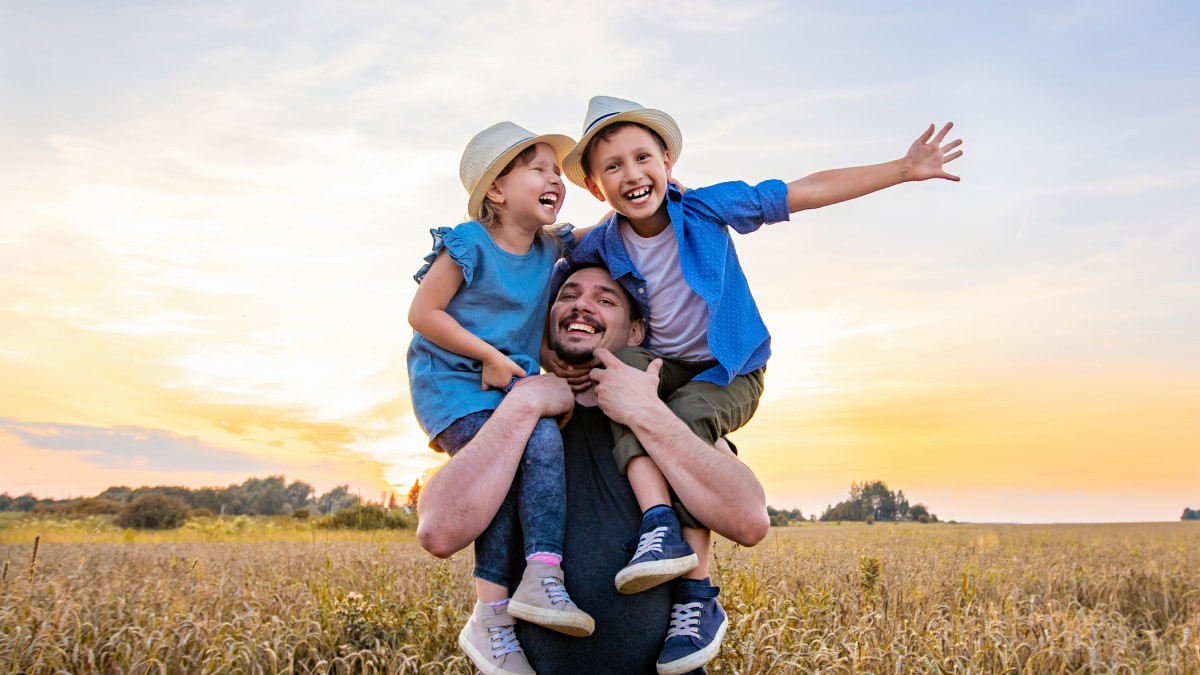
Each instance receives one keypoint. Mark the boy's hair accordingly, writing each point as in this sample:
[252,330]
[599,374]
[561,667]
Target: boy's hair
[606,133]
[488,217]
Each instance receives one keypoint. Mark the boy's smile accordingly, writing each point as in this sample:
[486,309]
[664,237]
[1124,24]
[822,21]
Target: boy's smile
[630,171]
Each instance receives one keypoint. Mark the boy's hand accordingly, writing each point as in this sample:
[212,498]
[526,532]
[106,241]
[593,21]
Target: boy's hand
[926,157]
[499,371]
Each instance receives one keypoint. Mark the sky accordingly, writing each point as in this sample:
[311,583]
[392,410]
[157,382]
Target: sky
[210,214]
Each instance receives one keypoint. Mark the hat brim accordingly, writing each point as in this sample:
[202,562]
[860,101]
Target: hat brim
[662,123]
[559,143]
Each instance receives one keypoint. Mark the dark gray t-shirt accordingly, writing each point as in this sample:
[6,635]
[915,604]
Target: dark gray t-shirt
[602,514]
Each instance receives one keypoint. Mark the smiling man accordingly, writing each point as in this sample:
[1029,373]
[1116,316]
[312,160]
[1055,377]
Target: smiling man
[590,317]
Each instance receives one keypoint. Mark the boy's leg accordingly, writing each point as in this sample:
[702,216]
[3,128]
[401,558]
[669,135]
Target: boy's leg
[542,597]
[674,374]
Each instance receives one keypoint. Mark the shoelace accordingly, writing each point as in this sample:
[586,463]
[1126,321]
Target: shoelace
[650,541]
[504,641]
[556,590]
[685,620]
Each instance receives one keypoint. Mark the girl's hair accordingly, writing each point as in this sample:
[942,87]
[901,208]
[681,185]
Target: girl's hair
[606,133]
[488,217]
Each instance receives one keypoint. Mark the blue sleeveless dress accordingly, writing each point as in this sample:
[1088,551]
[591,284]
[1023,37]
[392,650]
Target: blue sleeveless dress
[503,300]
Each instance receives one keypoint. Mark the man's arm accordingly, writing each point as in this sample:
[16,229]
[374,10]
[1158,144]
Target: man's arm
[460,500]
[924,160]
[718,489]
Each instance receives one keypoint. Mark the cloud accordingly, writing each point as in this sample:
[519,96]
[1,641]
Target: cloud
[132,447]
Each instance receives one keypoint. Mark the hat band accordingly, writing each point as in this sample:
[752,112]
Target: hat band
[598,121]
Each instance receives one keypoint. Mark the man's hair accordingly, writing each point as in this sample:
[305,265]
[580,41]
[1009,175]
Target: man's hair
[488,217]
[606,133]
[635,309]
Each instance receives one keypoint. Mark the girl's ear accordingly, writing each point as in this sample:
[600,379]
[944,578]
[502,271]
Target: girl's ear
[495,193]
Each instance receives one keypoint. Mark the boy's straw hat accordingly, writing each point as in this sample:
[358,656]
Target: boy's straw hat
[605,110]
[492,149]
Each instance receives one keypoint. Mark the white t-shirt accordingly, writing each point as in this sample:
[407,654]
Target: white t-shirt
[678,318]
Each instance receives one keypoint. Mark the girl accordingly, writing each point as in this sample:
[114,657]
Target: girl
[478,318]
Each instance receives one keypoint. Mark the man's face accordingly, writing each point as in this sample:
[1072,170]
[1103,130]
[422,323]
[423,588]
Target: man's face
[590,311]
[630,171]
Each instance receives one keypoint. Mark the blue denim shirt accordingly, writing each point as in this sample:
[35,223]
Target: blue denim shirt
[701,218]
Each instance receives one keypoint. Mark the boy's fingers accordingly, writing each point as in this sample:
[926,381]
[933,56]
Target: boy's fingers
[945,130]
[952,145]
[927,135]
[952,156]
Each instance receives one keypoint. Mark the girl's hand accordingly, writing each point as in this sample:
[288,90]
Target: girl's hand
[499,371]
[926,157]
[577,376]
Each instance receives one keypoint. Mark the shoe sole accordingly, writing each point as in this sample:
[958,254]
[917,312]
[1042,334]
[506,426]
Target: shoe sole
[481,661]
[576,624]
[694,661]
[637,578]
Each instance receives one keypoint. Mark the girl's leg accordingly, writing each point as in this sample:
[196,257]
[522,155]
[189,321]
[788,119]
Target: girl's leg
[542,597]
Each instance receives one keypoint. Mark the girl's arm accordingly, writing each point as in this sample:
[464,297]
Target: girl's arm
[428,316]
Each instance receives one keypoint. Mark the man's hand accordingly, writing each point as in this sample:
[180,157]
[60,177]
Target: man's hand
[623,391]
[926,158]
[548,395]
[498,372]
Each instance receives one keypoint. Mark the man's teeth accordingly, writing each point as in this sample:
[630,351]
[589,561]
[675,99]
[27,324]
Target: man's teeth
[581,326]
[638,193]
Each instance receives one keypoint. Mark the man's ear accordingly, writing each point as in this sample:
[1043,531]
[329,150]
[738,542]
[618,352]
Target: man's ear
[594,189]
[637,332]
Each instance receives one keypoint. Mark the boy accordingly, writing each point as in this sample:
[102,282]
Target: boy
[673,253]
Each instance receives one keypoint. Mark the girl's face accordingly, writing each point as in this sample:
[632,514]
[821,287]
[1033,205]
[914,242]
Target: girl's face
[532,193]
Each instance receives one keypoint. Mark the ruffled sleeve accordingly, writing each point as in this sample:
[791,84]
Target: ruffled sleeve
[564,235]
[457,246]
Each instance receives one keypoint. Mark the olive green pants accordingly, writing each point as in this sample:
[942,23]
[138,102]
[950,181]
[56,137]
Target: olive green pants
[708,409]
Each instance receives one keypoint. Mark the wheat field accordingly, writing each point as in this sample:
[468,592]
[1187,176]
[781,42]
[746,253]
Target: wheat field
[270,596]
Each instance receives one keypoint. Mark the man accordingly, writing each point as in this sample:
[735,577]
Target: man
[592,315]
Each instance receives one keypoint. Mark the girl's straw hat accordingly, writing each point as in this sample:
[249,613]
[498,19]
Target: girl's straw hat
[605,110]
[492,149]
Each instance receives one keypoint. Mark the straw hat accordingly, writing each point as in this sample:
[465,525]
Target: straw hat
[605,110]
[492,149]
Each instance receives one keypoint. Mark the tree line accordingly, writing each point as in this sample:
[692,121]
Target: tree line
[271,496]
[871,501]
[1190,514]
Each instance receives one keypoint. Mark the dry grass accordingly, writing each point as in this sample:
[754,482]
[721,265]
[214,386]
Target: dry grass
[825,598]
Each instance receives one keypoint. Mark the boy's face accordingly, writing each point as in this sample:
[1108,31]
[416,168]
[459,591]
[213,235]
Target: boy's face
[630,171]
[532,192]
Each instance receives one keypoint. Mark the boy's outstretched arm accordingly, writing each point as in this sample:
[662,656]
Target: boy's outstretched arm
[925,159]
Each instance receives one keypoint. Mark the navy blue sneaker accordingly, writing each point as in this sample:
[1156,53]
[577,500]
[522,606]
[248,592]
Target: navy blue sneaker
[698,625]
[661,555]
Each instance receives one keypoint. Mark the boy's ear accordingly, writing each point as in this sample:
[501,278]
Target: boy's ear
[595,190]
[667,163]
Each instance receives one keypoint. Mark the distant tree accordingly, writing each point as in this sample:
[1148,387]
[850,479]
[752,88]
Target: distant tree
[179,492]
[414,493]
[5,501]
[874,501]
[117,494]
[784,517]
[1189,514]
[25,503]
[267,496]
[153,512]
[299,494]
[336,499]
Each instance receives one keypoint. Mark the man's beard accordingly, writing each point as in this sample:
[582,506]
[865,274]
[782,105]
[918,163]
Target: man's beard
[569,353]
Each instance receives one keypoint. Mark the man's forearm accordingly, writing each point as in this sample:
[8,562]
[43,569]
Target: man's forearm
[460,500]
[717,488]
